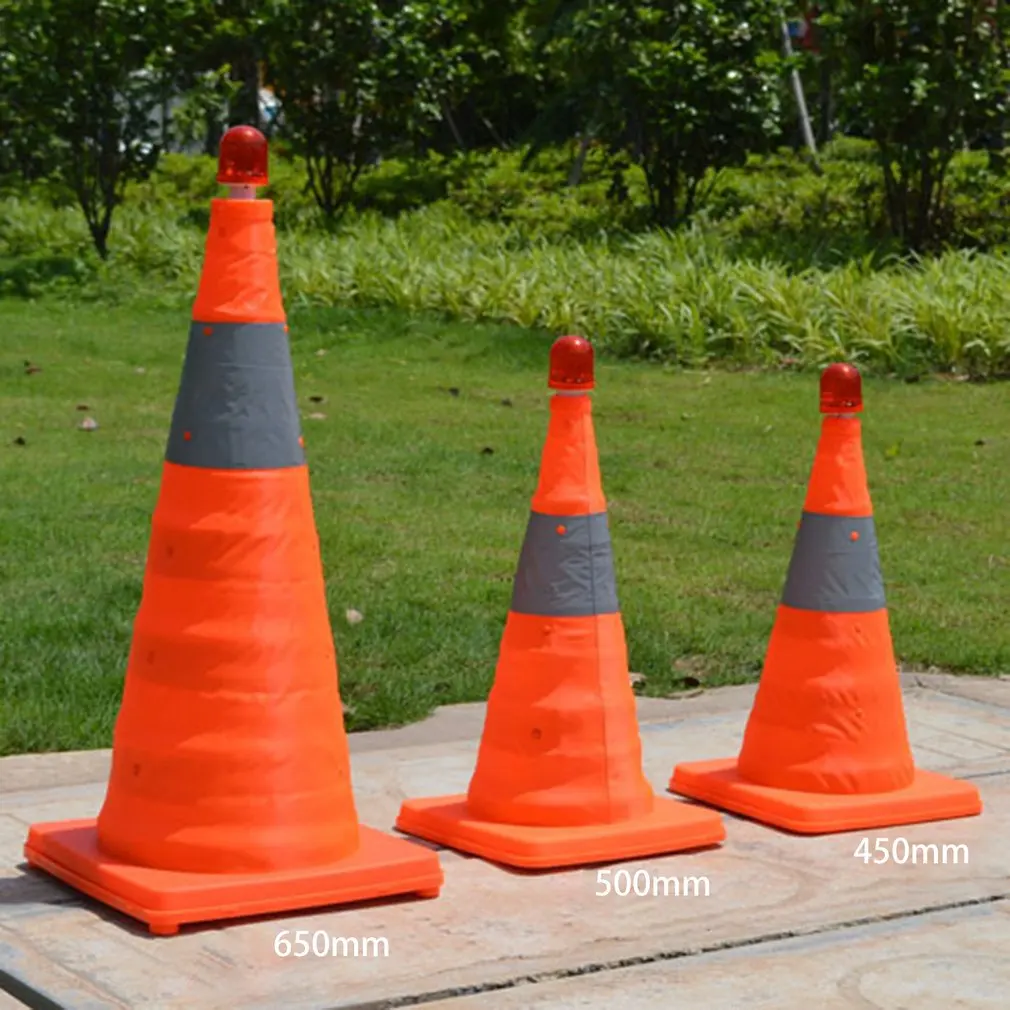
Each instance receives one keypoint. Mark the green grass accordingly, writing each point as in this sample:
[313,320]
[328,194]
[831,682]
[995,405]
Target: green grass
[421,524]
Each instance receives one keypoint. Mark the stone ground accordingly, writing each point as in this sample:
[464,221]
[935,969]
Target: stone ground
[790,922]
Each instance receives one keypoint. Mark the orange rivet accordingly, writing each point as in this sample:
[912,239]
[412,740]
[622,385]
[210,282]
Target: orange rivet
[853,535]
[301,441]
[208,330]
[285,327]
[186,435]
[561,531]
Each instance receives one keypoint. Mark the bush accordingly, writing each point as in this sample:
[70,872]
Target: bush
[925,78]
[685,298]
[786,267]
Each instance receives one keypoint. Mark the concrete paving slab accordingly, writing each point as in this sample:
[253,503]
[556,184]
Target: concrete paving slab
[992,691]
[953,959]
[492,926]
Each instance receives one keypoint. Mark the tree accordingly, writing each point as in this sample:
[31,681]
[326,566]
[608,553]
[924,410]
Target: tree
[355,79]
[500,92]
[82,80]
[225,40]
[924,79]
[682,86]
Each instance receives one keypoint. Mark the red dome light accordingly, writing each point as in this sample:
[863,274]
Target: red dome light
[841,390]
[571,364]
[242,160]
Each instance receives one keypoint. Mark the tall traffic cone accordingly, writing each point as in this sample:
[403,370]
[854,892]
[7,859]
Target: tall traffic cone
[230,790]
[826,746]
[559,779]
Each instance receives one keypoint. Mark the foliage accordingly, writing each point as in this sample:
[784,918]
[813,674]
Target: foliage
[355,78]
[83,80]
[780,269]
[492,102]
[224,39]
[925,78]
[681,86]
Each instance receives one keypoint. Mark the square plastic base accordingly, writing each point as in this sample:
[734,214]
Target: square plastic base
[930,797]
[671,826]
[166,899]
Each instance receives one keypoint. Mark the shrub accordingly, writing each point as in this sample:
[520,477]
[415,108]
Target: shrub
[926,78]
[684,298]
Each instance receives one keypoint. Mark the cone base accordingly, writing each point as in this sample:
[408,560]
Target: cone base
[930,797]
[167,899]
[671,826]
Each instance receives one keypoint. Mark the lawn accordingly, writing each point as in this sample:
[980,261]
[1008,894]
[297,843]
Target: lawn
[424,438]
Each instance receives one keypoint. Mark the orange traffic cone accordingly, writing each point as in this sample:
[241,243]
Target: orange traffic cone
[230,791]
[826,747]
[559,775]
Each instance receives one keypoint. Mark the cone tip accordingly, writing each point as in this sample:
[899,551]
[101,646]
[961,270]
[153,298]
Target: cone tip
[841,389]
[242,157]
[571,364]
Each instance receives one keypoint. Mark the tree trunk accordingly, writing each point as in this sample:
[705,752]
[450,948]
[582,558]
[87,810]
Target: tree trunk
[826,102]
[451,121]
[245,109]
[575,174]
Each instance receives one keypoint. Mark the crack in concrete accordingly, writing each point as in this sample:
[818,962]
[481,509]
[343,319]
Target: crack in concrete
[953,693]
[25,994]
[539,978]
[36,1000]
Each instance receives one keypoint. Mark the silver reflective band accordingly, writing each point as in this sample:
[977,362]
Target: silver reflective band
[566,574]
[236,408]
[835,566]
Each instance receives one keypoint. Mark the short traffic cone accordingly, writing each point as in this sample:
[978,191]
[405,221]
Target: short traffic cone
[826,746]
[559,779]
[230,791]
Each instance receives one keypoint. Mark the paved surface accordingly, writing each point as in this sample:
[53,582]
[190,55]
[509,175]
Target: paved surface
[789,922]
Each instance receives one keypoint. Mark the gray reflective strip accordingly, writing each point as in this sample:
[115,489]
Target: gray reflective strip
[832,572]
[569,574]
[236,408]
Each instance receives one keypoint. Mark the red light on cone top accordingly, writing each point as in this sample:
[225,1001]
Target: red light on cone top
[841,390]
[242,159]
[571,364]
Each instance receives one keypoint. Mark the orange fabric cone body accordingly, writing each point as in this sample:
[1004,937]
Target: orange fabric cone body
[562,699]
[232,652]
[826,746]
[230,790]
[558,779]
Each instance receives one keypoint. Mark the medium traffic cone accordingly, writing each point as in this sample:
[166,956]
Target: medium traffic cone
[559,779]
[230,790]
[826,746]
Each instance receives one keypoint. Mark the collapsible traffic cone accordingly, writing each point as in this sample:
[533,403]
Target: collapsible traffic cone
[826,747]
[230,791]
[559,772]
